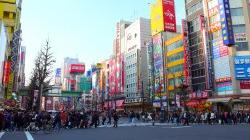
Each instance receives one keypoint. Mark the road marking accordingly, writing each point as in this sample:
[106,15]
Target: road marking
[28,135]
[181,127]
[1,134]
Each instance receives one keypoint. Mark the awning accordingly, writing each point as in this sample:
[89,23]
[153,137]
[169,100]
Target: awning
[119,103]
[217,100]
[108,104]
[192,103]
[245,98]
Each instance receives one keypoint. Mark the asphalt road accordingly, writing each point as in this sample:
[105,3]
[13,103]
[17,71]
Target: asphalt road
[204,132]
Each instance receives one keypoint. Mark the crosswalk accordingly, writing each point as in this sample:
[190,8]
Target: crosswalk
[1,134]
[157,125]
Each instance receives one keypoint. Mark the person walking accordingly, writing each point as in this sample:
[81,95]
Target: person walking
[153,115]
[109,117]
[116,118]
[1,120]
[133,118]
[103,118]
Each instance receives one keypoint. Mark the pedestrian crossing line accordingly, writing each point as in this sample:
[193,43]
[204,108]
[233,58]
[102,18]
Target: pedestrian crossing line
[181,127]
[1,134]
[28,135]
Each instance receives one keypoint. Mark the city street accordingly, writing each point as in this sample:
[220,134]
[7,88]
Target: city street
[204,132]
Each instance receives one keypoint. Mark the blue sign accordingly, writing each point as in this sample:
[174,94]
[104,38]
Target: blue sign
[58,72]
[242,67]
[226,22]
[89,73]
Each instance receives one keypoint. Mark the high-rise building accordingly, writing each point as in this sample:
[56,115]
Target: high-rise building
[3,64]
[201,78]
[240,14]
[138,34]
[66,77]
[10,13]
[118,53]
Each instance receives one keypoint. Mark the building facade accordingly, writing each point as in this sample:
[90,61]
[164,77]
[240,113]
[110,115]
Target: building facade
[136,64]
[3,64]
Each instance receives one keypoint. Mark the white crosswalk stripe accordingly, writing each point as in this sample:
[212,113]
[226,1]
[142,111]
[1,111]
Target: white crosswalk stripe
[28,135]
[1,134]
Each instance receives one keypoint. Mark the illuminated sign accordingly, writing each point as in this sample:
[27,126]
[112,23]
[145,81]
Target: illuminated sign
[242,67]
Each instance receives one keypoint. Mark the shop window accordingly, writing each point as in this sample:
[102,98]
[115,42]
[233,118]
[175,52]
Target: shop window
[6,14]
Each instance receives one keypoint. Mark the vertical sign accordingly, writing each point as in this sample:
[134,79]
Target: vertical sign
[169,15]
[186,53]
[226,22]
[162,16]
[158,63]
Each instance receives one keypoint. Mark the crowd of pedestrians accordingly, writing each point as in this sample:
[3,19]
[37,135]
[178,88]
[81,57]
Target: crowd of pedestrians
[185,118]
[23,120]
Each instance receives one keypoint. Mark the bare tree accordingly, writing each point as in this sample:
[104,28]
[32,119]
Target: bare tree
[41,75]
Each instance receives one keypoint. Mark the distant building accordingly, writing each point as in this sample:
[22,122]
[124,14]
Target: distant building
[136,64]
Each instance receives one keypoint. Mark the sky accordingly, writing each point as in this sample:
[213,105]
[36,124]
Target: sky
[78,28]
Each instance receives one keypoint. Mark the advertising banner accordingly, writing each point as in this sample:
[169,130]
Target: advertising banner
[222,69]
[186,53]
[226,22]
[224,88]
[77,68]
[6,72]
[169,15]
[58,72]
[242,67]
[162,16]
[245,84]
[158,63]
[156,16]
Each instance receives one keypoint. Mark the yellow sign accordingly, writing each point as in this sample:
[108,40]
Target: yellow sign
[156,16]
[10,86]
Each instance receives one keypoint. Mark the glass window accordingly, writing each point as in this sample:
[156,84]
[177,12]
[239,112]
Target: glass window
[241,46]
[175,57]
[175,45]
[240,28]
[237,11]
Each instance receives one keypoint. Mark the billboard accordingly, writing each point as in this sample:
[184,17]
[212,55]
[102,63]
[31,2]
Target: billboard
[245,84]
[158,63]
[226,22]
[169,15]
[224,88]
[222,69]
[58,72]
[162,16]
[6,72]
[77,68]
[242,67]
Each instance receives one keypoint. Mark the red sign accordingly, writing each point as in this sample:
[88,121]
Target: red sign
[169,15]
[245,85]
[6,74]
[77,68]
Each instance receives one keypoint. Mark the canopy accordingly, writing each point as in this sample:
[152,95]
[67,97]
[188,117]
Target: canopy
[216,100]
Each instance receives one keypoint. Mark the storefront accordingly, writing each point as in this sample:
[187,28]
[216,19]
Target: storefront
[117,105]
[235,103]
